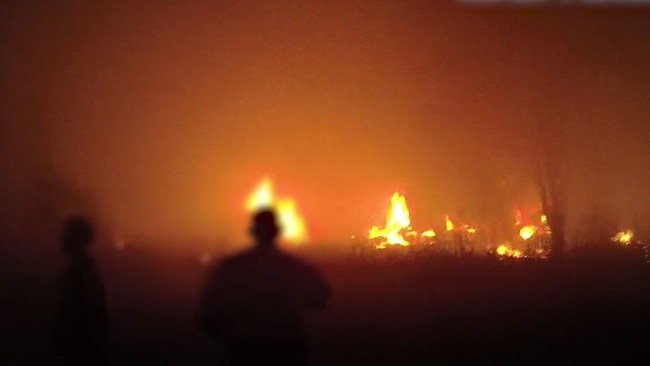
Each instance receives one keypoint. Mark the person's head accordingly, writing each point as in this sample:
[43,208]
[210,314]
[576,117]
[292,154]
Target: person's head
[78,235]
[264,228]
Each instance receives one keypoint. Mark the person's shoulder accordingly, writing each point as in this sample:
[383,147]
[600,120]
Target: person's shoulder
[234,260]
[296,262]
[237,257]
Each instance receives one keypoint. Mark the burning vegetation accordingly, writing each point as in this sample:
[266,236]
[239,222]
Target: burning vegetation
[530,238]
[504,251]
[399,232]
[623,237]
[397,222]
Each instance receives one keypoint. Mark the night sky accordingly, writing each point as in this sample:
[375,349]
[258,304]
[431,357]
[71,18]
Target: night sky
[161,116]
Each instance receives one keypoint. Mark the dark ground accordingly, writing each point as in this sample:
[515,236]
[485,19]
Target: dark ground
[426,311]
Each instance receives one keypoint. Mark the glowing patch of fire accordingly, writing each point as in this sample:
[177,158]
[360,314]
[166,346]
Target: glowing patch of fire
[428,234]
[623,237]
[449,226]
[504,251]
[292,225]
[527,232]
[397,219]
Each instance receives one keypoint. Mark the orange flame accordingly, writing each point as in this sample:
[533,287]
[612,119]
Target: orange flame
[262,198]
[428,234]
[527,232]
[469,229]
[623,237]
[397,219]
[292,225]
[504,251]
[448,224]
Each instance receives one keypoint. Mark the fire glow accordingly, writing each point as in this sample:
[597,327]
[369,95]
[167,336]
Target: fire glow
[449,226]
[504,251]
[292,225]
[397,220]
[623,237]
[527,232]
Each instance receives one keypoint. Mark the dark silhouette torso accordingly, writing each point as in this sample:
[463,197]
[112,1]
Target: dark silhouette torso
[255,301]
[83,314]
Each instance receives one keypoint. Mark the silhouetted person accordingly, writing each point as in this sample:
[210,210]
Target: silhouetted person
[83,316]
[254,301]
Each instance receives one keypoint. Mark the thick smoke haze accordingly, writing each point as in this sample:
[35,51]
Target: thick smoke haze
[161,117]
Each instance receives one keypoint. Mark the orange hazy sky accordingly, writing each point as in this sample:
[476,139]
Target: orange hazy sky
[166,114]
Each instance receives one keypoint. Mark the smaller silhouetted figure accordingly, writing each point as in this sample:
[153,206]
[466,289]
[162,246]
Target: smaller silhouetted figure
[83,314]
[254,301]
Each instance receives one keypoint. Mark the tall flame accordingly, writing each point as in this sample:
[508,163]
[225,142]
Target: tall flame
[292,225]
[397,219]
[448,224]
[262,197]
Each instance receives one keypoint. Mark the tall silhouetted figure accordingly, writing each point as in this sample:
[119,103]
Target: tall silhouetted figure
[254,301]
[83,317]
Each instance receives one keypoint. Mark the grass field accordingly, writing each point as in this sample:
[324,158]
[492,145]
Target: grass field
[421,311]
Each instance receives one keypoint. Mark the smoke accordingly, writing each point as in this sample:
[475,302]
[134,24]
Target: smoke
[162,119]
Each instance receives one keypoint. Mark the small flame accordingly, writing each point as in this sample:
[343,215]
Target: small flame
[449,226]
[527,232]
[623,237]
[428,234]
[470,230]
[503,250]
[544,225]
[293,228]
[517,217]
